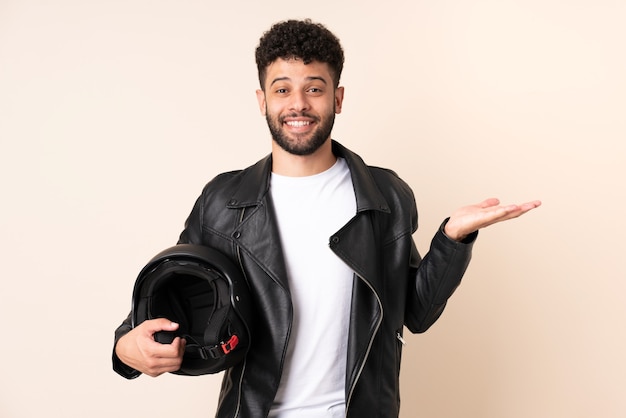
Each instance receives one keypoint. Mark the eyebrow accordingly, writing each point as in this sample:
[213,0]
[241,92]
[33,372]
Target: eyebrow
[277,79]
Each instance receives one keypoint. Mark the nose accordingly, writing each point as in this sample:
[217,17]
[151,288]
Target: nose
[299,101]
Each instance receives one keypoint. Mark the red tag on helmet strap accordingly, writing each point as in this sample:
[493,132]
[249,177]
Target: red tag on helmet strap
[230,345]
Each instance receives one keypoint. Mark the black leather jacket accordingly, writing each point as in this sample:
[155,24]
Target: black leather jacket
[393,287]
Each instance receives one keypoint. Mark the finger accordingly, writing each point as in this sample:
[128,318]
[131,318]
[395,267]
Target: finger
[487,203]
[497,214]
[179,345]
[172,352]
[167,357]
[160,324]
[516,210]
[157,366]
[531,205]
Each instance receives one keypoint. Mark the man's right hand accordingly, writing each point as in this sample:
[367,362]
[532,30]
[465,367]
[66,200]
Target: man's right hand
[139,350]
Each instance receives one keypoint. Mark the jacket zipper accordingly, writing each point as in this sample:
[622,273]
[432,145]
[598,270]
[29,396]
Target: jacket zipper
[243,370]
[369,346]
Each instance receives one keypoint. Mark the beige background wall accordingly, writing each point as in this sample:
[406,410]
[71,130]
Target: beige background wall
[113,115]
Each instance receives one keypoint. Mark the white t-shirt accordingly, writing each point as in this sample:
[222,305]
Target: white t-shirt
[309,210]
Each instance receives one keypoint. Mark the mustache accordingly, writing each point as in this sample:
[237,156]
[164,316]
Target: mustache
[298,115]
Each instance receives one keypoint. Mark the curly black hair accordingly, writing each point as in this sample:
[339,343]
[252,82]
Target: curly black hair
[301,39]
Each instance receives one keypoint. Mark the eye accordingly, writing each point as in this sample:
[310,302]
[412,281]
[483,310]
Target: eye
[281,91]
[315,90]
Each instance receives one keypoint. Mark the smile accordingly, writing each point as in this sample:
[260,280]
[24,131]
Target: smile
[298,123]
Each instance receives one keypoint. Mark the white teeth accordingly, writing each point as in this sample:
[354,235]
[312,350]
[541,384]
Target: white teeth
[298,123]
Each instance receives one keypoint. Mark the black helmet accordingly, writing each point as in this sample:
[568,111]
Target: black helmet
[206,294]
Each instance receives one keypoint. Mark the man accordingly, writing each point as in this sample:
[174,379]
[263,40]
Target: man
[326,246]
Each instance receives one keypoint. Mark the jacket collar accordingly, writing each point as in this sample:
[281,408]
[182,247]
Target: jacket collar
[256,182]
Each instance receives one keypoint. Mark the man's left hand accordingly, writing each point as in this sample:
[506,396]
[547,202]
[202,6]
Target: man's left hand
[471,218]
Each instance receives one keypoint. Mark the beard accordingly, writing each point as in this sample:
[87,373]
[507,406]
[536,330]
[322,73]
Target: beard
[303,144]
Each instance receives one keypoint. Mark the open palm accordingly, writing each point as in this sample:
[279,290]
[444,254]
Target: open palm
[468,219]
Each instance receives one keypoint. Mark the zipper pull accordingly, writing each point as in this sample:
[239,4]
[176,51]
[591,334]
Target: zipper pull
[399,337]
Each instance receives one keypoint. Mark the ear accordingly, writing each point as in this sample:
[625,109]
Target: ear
[338,99]
[260,97]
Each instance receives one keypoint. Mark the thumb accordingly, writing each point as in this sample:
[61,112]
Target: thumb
[160,324]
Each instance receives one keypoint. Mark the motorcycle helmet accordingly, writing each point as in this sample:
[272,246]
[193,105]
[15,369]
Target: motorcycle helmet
[206,294]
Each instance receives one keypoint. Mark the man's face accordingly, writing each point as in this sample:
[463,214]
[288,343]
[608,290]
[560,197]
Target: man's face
[299,104]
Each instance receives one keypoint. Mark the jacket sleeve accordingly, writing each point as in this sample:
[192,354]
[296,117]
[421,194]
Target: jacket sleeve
[192,233]
[119,367]
[436,277]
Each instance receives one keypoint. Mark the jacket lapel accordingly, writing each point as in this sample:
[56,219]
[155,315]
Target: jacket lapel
[363,228]
[257,231]
[358,244]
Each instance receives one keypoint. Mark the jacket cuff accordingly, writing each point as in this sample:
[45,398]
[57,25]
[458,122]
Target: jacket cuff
[118,366]
[122,369]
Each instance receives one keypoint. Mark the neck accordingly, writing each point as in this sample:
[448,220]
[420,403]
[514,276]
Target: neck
[287,164]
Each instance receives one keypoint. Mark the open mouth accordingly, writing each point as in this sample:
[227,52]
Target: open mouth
[298,123]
